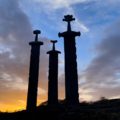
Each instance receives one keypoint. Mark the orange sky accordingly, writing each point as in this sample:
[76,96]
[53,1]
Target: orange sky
[16,100]
[16,104]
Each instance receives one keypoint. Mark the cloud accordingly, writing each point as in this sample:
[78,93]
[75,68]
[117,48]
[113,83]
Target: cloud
[57,4]
[77,25]
[15,34]
[103,74]
[55,10]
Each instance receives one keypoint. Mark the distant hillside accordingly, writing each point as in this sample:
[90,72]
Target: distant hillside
[100,110]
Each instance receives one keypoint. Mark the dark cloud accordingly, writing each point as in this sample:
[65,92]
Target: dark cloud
[15,34]
[103,74]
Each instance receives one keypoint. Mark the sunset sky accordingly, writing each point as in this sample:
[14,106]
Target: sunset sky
[98,47]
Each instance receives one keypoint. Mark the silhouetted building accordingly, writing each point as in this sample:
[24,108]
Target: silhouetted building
[71,76]
[53,76]
[33,72]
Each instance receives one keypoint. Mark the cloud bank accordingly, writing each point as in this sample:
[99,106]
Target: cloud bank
[102,76]
[15,34]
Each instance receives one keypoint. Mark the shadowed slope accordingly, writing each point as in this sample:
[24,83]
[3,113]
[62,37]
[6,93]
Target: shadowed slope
[100,110]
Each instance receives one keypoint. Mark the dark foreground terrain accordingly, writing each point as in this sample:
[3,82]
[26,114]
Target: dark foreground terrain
[100,110]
